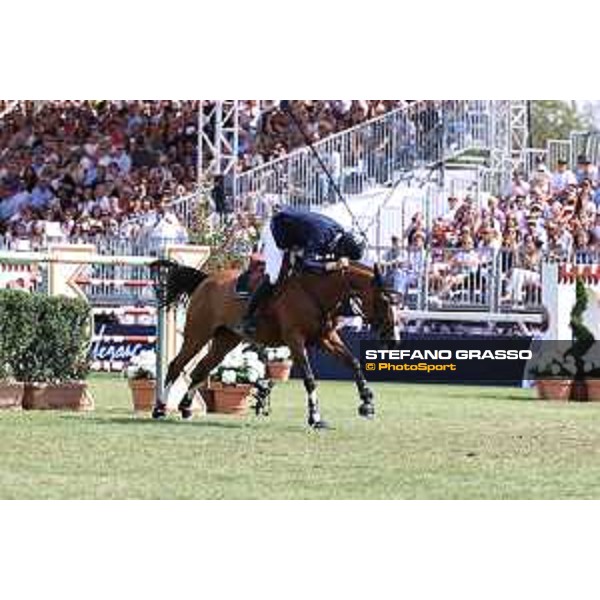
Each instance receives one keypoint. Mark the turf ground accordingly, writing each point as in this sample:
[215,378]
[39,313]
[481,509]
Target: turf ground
[427,442]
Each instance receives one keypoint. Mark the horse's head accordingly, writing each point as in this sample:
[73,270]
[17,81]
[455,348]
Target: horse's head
[378,305]
[384,313]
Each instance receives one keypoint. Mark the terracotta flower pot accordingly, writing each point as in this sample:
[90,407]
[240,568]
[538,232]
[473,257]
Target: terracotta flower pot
[11,394]
[593,390]
[579,391]
[554,389]
[230,399]
[57,396]
[279,371]
[142,394]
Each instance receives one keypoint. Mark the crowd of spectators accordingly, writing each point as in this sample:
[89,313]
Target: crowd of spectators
[81,169]
[554,215]
[268,131]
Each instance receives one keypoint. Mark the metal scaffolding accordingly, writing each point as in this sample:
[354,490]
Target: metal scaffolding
[217,137]
[519,126]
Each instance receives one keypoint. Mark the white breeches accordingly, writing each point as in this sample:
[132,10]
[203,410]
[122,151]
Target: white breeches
[273,255]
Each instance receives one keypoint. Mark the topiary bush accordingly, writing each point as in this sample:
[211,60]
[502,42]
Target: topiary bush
[17,331]
[49,341]
[583,339]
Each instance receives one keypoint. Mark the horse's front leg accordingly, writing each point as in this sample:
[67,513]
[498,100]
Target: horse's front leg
[301,360]
[335,345]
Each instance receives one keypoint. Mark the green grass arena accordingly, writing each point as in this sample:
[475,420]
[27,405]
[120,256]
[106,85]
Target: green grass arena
[427,442]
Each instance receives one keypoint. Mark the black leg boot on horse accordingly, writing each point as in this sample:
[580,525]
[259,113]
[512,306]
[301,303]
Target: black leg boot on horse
[260,294]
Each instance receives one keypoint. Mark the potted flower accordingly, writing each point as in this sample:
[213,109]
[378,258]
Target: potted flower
[141,374]
[231,383]
[554,374]
[279,364]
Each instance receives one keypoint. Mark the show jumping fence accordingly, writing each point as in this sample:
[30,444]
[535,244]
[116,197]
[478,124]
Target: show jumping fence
[62,270]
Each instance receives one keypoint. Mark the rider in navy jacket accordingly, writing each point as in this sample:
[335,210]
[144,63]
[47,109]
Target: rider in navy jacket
[317,236]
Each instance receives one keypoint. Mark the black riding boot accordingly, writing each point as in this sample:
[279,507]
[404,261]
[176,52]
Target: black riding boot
[262,292]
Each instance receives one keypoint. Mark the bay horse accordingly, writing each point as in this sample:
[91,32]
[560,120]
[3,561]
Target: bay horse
[303,311]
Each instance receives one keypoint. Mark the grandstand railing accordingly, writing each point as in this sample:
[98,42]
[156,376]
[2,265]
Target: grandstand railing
[580,143]
[481,280]
[585,143]
[186,208]
[407,140]
[107,285]
[371,154]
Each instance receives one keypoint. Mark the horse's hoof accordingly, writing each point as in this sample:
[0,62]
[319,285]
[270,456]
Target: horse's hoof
[320,425]
[186,414]
[159,412]
[367,410]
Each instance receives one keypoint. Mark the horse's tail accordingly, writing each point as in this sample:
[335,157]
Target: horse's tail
[175,281]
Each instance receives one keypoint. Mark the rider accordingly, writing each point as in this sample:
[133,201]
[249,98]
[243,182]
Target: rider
[312,236]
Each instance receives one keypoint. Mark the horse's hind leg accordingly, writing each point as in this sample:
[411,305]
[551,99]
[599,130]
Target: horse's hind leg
[335,345]
[300,357]
[189,349]
[223,342]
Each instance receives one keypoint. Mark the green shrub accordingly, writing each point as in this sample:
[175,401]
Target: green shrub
[17,329]
[55,338]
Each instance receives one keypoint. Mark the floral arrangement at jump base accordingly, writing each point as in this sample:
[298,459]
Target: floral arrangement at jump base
[142,366]
[141,373]
[240,366]
[279,364]
[235,381]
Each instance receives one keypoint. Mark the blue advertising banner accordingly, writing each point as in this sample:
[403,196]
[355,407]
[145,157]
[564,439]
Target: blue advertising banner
[119,343]
[447,361]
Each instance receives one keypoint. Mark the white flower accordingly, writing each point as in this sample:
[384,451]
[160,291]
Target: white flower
[260,368]
[252,375]
[234,360]
[280,354]
[284,353]
[228,377]
[555,370]
[142,366]
[146,357]
[251,357]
